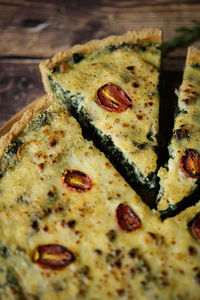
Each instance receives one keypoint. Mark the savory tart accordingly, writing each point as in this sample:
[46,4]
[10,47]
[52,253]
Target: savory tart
[111,87]
[70,226]
[181,176]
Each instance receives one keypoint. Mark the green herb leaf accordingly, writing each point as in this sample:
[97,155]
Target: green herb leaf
[188,36]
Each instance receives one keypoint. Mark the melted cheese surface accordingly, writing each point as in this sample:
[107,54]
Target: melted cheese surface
[130,128]
[36,209]
[184,254]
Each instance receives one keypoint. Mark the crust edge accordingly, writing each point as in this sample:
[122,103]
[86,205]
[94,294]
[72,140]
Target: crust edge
[193,56]
[146,34]
[17,123]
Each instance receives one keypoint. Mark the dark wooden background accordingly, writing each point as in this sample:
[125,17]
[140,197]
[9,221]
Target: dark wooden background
[33,30]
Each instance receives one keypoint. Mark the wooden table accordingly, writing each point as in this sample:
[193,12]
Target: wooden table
[33,30]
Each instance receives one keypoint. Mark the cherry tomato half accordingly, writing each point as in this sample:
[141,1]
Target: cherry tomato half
[113,98]
[190,163]
[127,219]
[76,180]
[53,256]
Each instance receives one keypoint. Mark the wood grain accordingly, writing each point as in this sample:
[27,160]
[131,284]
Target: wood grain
[41,28]
[33,30]
[20,84]
[8,125]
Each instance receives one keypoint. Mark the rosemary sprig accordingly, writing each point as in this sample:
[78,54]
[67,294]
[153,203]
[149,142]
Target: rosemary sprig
[188,36]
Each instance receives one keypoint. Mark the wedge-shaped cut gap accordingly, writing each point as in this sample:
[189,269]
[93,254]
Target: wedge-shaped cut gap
[179,181]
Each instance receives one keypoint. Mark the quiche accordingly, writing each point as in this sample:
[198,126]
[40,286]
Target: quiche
[72,228]
[111,87]
[180,178]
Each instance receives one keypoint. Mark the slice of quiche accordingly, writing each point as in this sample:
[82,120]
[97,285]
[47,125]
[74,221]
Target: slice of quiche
[111,87]
[182,237]
[181,176]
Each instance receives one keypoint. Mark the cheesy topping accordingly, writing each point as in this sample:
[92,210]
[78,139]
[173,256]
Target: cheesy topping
[101,243]
[175,183]
[37,210]
[136,72]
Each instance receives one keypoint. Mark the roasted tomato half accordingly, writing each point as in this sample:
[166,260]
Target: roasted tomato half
[195,227]
[76,181]
[190,163]
[113,98]
[127,219]
[53,256]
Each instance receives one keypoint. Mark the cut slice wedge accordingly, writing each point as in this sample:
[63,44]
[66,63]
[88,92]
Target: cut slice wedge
[180,178]
[111,87]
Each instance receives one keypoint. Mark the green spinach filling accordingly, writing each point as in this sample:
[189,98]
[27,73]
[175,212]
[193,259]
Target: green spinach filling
[9,160]
[142,47]
[196,66]
[42,119]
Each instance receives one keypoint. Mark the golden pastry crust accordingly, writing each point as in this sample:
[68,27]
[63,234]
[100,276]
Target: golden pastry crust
[193,56]
[145,35]
[22,118]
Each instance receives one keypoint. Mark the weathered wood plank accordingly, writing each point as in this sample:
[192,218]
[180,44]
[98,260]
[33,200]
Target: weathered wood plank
[42,28]
[20,84]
